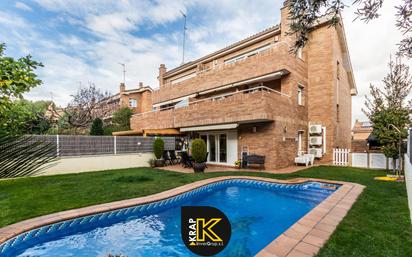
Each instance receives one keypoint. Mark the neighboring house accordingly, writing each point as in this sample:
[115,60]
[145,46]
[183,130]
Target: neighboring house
[256,96]
[139,100]
[361,133]
[361,130]
[53,112]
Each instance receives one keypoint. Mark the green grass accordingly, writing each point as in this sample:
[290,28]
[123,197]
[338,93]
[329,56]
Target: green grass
[377,225]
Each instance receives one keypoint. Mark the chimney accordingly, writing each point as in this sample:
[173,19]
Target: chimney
[162,71]
[285,23]
[140,84]
[122,87]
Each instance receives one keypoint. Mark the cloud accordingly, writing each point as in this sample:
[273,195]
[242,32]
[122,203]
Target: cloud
[85,40]
[371,46]
[23,6]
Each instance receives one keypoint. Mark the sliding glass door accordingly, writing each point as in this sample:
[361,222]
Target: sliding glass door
[216,146]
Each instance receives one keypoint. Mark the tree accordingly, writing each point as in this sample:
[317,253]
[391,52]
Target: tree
[305,13]
[16,78]
[25,117]
[97,127]
[121,118]
[85,106]
[390,106]
[158,147]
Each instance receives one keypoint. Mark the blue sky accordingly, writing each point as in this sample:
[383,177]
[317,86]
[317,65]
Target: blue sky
[83,41]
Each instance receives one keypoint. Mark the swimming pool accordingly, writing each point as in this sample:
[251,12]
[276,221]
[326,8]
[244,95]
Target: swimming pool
[258,211]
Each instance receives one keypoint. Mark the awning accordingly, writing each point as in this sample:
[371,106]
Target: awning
[128,133]
[146,132]
[163,132]
[211,127]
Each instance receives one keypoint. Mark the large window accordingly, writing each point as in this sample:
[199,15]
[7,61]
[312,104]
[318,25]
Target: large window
[132,103]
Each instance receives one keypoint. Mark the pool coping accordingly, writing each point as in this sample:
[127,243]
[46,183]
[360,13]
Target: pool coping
[304,238]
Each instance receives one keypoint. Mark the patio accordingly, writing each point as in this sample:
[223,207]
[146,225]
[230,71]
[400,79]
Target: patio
[217,168]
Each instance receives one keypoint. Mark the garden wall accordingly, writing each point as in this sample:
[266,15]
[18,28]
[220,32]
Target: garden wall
[96,163]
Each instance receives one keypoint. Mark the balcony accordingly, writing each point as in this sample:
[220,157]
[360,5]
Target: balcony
[273,59]
[259,104]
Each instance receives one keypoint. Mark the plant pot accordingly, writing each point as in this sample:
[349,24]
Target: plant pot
[199,167]
[160,163]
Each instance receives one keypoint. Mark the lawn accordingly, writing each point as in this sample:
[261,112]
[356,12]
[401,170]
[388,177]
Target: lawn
[377,225]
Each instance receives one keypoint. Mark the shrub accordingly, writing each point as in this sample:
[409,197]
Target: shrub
[158,147]
[97,127]
[199,150]
[121,118]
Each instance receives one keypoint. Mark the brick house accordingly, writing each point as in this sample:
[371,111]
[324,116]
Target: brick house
[256,96]
[138,100]
[361,133]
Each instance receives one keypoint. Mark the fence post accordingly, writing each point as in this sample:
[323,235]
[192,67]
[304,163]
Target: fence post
[115,145]
[57,145]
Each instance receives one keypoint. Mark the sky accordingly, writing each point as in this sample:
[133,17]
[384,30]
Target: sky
[82,42]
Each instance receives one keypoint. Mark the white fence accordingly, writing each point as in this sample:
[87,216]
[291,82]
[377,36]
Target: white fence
[341,157]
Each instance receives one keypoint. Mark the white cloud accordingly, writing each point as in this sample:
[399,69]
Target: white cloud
[113,36]
[371,46]
[23,6]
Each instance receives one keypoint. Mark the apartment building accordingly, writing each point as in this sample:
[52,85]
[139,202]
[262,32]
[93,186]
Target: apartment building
[256,96]
[138,100]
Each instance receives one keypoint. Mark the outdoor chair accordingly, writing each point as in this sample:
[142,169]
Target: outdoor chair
[207,155]
[173,157]
[186,162]
[166,158]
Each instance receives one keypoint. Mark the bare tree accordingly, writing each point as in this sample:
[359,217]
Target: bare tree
[304,14]
[85,106]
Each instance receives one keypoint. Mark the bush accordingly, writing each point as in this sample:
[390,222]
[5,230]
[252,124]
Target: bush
[121,118]
[199,150]
[97,127]
[158,147]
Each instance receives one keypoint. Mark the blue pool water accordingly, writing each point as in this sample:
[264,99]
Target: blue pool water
[258,211]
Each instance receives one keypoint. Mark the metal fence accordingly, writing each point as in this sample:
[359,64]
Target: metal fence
[72,145]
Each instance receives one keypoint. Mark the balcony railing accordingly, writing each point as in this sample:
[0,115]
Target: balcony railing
[271,60]
[256,104]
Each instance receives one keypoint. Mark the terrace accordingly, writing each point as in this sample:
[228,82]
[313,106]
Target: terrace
[258,104]
[275,58]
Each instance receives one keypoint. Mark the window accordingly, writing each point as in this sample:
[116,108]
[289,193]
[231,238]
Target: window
[300,95]
[183,78]
[248,54]
[299,53]
[300,142]
[132,103]
[337,70]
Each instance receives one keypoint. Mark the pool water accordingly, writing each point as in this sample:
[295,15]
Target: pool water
[258,214]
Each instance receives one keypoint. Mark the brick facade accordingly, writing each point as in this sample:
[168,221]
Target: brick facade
[268,122]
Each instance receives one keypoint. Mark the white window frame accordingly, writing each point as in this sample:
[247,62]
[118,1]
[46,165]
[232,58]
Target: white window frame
[248,54]
[132,100]
[183,78]
[300,94]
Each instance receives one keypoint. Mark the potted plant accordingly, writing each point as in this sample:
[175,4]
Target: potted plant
[199,155]
[152,163]
[158,148]
[238,163]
